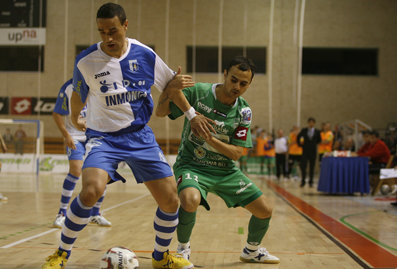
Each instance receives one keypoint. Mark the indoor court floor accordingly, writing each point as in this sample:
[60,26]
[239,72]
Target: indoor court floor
[308,229]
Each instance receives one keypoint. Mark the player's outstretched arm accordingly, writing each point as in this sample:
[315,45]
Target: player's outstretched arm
[76,106]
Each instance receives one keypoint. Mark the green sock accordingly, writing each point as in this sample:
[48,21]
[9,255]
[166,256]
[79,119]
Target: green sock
[185,225]
[257,229]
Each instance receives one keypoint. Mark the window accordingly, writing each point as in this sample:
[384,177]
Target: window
[207,58]
[340,61]
[21,58]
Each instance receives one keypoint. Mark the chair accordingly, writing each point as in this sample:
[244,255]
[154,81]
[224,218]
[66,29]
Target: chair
[379,182]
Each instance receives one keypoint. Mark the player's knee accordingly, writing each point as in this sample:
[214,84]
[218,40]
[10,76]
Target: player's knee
[90,195]
[190,200]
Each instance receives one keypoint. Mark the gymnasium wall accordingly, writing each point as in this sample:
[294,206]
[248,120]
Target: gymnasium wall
[327,23]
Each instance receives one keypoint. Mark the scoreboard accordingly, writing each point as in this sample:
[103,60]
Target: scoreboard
[22,13]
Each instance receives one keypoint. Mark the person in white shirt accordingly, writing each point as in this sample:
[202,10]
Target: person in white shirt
[281,147]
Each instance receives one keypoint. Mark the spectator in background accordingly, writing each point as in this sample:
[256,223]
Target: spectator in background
[349,144]
[254,134]
[261,141]
[378,153]
[19,141]
[391,140]
[367,143]
[310,137]
[327,138]
[8,138]
[4,149]
[281,147]
[270,155]
[338,136]
[294,150]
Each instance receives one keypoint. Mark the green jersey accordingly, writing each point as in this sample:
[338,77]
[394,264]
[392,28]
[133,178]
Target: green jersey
[232,127]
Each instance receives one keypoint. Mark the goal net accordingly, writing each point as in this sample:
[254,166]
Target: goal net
[25,143]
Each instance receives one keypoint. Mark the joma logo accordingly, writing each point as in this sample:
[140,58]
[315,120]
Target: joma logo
[102,74]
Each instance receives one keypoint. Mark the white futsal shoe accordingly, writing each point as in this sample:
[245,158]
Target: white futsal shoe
[258,256]
[3,198]
[184,250]
[100,220]
[59,220]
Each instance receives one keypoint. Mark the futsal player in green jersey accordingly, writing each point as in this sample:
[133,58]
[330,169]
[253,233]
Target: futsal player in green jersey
[207,163]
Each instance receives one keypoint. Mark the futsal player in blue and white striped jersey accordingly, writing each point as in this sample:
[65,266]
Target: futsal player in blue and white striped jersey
[75,149]
[114,78]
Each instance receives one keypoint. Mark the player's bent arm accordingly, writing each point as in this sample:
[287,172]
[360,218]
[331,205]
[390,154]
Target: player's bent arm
[231,151]
[76,106]
[163,105]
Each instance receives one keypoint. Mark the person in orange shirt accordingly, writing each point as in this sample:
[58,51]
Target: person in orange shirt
[327,138]
[243,160]
[294,150]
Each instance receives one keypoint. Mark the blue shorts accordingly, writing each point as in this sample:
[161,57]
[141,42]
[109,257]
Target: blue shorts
[138,149]
[78,153]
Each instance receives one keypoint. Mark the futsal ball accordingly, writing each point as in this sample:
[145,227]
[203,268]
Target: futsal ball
[119,258]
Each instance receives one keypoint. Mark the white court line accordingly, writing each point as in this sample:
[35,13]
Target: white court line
[56,229]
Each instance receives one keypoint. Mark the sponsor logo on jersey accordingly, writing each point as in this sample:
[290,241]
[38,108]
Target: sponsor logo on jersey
[246,115]
[126,83]
[200,152]
[124,97]
[204,107]
[133,65]
[102,74]
[241,133]
[220,113]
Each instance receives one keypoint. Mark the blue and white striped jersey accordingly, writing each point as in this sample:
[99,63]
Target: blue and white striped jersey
[62,107]
[118,90]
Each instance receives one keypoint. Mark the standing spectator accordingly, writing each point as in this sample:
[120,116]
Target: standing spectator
[294,150]
[254,134]
[4,149]
[261,141]
[281,147]
[311,137]
[8,138]
[19,136]
[338,136]
[270,155]
[327,138]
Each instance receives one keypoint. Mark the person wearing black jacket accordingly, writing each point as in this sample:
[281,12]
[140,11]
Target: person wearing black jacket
[308,138]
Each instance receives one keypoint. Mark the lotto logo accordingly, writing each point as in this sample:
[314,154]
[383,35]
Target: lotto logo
[241,133]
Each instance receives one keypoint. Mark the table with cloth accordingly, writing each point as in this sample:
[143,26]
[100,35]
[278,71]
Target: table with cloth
[344,175]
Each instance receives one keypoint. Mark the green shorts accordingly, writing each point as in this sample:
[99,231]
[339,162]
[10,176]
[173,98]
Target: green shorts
[232,185]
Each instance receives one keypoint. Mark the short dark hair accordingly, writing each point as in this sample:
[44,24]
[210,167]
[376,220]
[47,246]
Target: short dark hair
[110,10]
[374,133]
[242,63]
[311,119]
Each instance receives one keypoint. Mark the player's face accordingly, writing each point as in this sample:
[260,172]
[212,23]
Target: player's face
[237,82]
[113,35]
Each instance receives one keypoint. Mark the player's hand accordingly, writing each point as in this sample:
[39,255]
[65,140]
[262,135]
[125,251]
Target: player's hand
[69,142]
[202,126]
[179,82]
[81,124]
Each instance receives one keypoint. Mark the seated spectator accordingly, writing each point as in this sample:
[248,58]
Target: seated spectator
[367,142]
[349,144]
[378,153]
